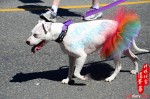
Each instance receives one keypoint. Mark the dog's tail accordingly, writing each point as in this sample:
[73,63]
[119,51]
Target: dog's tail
[137,48]
[128,28]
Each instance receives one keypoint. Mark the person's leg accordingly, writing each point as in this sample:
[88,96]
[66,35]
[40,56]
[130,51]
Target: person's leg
[55,5]
[95,5]
[51,14]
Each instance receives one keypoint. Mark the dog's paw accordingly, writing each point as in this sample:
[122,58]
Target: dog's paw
[109,79]
[133,72]
[65,81]
[81,77]
[84,78]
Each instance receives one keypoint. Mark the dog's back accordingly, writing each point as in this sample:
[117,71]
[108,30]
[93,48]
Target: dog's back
[91,27]
[88,34]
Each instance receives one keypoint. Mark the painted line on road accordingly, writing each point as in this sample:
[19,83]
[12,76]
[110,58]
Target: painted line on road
[68,7]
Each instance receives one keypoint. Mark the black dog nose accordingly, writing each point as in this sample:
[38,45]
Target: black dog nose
[28,42]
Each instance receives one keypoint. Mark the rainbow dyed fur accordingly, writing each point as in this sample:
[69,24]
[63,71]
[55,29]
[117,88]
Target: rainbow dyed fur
[127,29]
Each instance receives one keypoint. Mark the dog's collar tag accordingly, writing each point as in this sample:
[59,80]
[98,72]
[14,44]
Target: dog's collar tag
[64,31]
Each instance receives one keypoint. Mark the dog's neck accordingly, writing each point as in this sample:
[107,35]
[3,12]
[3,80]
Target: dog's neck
[56,29]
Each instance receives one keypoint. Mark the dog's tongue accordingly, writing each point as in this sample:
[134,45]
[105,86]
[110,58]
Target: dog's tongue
[38,47]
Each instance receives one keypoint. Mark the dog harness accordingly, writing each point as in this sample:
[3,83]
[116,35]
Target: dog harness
[64,31]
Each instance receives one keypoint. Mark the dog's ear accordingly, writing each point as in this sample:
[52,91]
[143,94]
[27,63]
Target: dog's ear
[47,25]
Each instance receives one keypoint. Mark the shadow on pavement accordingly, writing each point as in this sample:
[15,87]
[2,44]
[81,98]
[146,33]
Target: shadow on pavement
[96,71]
[31,1]
[37,9]
[56,75]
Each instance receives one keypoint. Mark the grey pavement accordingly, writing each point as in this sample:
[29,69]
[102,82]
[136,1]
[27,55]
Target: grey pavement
[24,75]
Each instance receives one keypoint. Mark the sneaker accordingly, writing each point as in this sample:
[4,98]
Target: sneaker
[94,16]
[50,15]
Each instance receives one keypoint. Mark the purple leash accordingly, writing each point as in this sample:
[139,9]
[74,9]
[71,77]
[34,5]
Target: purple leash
[91,12]
[64,30]
[66,24]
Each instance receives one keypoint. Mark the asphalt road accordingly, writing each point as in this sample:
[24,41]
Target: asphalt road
[27,76]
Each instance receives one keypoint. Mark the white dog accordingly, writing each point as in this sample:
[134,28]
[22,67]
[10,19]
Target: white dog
[82,39]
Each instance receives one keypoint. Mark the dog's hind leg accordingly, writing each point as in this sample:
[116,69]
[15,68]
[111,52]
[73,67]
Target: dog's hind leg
[117,69]
[71,70]
[133,58]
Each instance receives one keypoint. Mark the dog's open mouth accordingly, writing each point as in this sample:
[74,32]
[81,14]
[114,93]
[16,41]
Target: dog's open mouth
[37,47]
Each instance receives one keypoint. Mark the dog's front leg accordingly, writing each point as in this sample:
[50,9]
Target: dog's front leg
[79,64]
[71,70]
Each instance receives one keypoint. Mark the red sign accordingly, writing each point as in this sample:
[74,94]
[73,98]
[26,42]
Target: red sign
[142,78]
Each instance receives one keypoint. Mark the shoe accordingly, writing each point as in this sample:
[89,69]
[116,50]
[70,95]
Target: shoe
[50,15]
[94,16]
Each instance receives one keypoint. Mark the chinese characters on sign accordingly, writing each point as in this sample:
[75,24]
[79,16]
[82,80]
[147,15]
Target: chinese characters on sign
[142,78]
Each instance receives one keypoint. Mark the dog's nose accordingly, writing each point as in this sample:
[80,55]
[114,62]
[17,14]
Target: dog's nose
[28,42]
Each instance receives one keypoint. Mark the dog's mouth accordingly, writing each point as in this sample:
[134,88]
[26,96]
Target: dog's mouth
[37,47]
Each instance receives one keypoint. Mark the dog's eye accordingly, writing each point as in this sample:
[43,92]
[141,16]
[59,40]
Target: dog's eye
[35,35]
